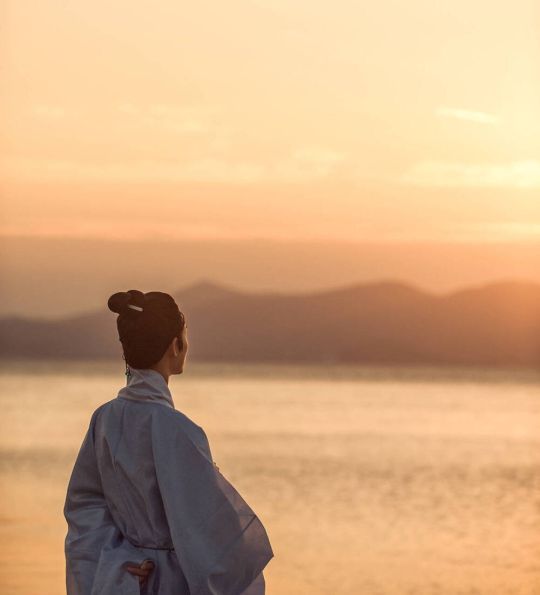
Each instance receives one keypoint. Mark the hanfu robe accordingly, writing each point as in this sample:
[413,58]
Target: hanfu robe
[144,487]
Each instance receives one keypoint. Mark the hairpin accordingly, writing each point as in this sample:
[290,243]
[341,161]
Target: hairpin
[135,307]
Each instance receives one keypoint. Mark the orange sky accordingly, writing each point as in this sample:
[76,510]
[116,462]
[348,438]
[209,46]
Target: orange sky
[287,118]
[391,120]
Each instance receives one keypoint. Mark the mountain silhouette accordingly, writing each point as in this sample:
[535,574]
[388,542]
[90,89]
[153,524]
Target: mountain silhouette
[387,322]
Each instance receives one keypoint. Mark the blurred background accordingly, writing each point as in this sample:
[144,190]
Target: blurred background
[343,198]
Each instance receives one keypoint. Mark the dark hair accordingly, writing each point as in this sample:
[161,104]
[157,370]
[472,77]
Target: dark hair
[147,323]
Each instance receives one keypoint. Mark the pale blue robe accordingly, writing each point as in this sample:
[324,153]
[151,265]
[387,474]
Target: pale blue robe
[144,478]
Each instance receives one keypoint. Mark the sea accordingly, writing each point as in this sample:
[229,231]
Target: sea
[369,480]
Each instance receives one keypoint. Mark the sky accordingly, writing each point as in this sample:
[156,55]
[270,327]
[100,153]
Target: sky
[292,121]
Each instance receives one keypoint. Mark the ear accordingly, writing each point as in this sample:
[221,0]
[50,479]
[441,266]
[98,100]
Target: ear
[177,346]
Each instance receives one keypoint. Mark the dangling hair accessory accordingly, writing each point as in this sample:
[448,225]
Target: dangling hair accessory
[128,370]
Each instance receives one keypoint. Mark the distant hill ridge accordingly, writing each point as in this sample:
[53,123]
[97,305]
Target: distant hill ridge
[386,322]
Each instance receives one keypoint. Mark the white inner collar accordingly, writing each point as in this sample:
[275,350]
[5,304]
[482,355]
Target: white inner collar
[145,384]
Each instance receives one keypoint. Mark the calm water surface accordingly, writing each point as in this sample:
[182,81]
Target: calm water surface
[370,481]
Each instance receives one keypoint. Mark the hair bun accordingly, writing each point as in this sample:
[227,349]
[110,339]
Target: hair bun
[118,302]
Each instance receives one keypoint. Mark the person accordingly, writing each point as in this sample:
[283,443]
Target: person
[147,509]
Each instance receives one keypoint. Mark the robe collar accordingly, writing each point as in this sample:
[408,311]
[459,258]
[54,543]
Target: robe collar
[145,384]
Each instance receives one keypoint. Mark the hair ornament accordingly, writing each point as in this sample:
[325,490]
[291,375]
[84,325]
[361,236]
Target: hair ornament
[135,307]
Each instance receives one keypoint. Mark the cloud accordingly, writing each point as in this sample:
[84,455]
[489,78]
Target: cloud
[202,121]
[504,230]
[469,115]
[311,161]
[177,118]
[518,174]
[314,154]
[52,112]
[303,165]
[128,228]
[183,119]
[199,170]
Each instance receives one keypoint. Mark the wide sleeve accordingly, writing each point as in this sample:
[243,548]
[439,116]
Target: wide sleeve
[221,545]
[90,525]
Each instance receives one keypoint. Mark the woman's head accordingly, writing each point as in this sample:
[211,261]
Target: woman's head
[151,328]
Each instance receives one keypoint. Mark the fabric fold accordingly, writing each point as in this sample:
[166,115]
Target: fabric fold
[220,542]
[143,480]
[95,549]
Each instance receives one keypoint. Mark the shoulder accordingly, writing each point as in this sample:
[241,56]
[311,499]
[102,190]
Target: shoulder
[175,423]
[177,419]
[97,411]
[95,417]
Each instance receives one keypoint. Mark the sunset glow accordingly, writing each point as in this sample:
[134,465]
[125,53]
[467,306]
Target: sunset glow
[343,201]
[271,119]
[335,143]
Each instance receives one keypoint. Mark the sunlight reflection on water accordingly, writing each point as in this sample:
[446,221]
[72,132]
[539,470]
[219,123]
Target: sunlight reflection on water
[369,480]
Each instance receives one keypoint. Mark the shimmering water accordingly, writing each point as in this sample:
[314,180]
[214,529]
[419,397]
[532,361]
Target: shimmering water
[370,481]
